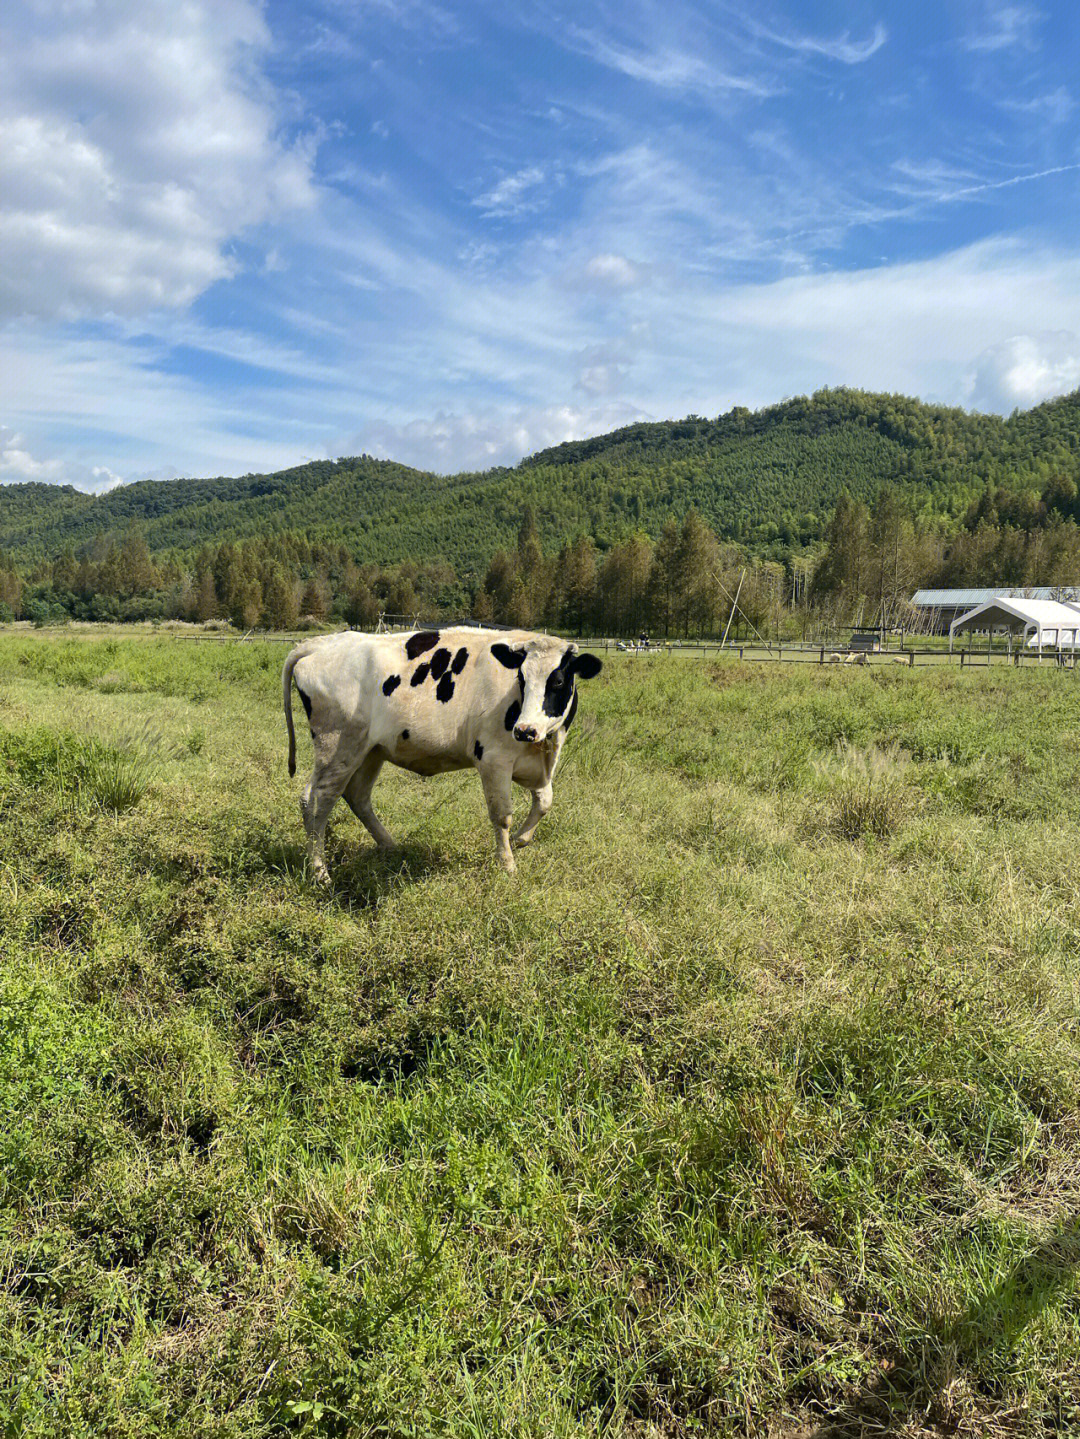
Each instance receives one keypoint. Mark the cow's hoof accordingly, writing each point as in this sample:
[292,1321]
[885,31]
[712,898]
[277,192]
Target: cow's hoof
[508,865]
[520,841]
[321,875]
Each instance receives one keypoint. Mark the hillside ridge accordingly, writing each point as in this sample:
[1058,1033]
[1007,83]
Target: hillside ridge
[768,479]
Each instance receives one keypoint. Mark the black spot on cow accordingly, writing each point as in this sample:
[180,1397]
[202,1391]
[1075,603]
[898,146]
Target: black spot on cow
[444,690]
[572,711]
[420,674]
[421,642]
[390,684]
[439,660]
[512,659]
[521,682]
[560,687]
[459,660]
[404,734]
[478,750]
[512,714]
[305,701]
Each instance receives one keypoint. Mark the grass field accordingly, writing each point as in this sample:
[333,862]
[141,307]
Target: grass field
[750,1106]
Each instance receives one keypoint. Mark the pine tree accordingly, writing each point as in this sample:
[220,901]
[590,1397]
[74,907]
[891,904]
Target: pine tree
[663,580]
[315,603]
[577,570]
[281,604]
[361,608]
[65,570]
[483,609]
[135,570]
[206,604]
[249,605]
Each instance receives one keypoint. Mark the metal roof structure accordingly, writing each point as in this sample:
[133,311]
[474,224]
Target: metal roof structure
[956,599]
[1040,621]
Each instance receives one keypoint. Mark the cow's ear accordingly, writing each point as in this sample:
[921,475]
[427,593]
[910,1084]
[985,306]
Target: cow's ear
[587,667]
[512,659]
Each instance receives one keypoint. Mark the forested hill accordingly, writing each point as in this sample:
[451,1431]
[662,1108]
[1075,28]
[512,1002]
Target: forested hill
[768,478]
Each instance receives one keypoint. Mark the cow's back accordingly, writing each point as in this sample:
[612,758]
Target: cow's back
[422,697]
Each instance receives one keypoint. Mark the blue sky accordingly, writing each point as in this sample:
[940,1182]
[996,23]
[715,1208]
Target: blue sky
[238,236]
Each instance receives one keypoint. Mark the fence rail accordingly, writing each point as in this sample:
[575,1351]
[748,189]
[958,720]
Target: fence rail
[836,653]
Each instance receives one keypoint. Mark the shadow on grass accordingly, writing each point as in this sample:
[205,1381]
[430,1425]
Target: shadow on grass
[362,875]
[915,1388]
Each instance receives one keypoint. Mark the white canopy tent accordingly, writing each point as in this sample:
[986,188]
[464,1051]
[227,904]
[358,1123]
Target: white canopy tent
[1038,623]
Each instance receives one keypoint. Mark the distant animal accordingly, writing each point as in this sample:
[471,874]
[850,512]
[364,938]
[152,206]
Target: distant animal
[834,659]
[855,659]
[431,701]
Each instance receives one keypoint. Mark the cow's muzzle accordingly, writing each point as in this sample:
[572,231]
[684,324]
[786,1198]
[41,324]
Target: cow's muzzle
[526,733]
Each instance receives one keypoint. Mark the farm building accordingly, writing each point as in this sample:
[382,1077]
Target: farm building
[942,607]
[1040,624]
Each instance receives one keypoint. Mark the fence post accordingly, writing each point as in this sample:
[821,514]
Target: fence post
[821,656]
[962,652]
[911,659]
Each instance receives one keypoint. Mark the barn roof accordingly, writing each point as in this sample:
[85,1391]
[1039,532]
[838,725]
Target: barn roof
[956,599]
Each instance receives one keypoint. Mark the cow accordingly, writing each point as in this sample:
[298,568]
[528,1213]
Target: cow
[432,701]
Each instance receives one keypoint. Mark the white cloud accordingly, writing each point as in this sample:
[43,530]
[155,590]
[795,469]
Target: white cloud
[1055,107]
[479,439]
[514,194]
[104,479]
[19,467]
[1004,27]
[613,272]
[135,141]
[666,66]
[840,47]
[1025,369]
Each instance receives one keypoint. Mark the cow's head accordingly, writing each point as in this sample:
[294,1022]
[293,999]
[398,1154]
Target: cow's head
[547,672]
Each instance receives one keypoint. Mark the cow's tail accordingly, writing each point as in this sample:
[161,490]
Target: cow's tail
[286,695]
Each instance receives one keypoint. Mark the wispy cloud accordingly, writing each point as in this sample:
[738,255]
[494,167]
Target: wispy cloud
[665,66]
[1004,27]
[1055,107]
[967,190]
[840,47]
[514,194]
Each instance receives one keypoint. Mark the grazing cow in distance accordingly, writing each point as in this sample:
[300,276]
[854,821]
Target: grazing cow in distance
[432,701]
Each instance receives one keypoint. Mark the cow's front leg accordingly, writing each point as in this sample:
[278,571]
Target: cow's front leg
[541,803]
[496,782]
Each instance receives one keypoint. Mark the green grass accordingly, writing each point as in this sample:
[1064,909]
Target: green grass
[750,1105]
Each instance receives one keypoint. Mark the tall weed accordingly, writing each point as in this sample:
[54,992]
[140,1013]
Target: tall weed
[85,770]
[870,794]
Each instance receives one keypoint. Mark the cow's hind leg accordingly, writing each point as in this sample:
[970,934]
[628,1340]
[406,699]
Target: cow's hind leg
[541,803]
[358,798]
[321,794]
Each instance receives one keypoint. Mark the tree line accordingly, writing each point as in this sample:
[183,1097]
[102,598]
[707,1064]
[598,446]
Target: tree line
[683,582]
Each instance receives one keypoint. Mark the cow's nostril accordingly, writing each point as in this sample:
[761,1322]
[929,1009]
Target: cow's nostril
[524,732]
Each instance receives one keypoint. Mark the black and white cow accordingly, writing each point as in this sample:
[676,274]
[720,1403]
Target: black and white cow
[432,701]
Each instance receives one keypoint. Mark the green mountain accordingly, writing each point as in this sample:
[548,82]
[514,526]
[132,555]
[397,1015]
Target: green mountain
[768,478]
